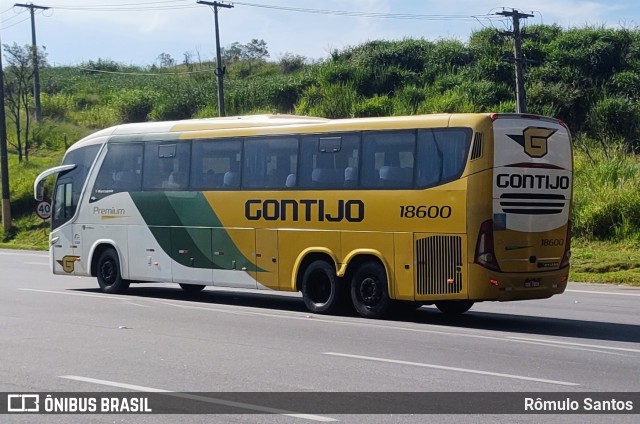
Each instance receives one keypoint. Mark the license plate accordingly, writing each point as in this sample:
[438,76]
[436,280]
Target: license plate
[531,283]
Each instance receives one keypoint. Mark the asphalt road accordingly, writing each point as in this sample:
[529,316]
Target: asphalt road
[60,334]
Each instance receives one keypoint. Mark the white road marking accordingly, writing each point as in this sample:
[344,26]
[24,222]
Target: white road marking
[441,367]
[549,344]
[603,292]
[248,406]
[623,349]
[126,300]
[23,254]
[237,310]
[101,296]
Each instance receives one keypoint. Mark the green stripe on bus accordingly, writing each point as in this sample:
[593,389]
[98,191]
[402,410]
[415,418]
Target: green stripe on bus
[186,228]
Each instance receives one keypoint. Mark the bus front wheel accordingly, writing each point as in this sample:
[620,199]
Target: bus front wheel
[108,273]
[454,307]
[369,290]
[321,289]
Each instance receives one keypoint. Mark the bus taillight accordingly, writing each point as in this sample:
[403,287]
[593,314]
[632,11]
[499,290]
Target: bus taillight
[485,253]
[567,248]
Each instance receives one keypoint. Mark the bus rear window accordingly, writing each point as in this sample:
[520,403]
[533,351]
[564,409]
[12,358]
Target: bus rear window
[414,159]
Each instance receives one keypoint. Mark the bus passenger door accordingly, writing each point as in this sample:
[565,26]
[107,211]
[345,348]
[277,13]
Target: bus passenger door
[233,257]
[65,239]
[267,258]
[64,251]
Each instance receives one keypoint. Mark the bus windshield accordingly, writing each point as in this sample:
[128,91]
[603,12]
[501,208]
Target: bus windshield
[69,184]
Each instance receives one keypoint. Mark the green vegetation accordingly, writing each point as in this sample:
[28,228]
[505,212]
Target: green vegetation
[606,262]
[28,231]
[607,195]
[588,77]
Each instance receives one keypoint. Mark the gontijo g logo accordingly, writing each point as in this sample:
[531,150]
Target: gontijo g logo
[534,140]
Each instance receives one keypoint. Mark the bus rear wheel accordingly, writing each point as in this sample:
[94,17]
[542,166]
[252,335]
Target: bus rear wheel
[192,288]
[321,289]
[454,307]
[369,290]
[108,273]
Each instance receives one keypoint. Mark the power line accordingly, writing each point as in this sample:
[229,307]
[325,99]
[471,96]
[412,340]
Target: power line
[143,74]
[368,14]
[125,9]
[180,4]
[14,16]
[129,4]
[15,23]
[6,10]
[131,7]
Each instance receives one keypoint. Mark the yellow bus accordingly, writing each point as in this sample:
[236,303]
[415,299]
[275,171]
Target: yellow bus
[446,209]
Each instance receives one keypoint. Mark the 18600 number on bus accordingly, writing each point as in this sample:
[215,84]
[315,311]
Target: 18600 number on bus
[423,211]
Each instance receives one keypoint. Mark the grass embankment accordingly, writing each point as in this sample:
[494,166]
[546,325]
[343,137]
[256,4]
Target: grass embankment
[606,262]
[28,231]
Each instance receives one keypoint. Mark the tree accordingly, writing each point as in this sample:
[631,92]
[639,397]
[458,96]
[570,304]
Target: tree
[290,63]
[233,53]
[256,50]
[165,60]
[188,60]
[18,83]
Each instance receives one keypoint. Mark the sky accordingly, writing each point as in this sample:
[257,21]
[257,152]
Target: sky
[135,32]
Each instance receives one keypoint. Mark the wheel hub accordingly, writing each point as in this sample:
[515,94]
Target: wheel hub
[321,289]
[370,291]
[107,271]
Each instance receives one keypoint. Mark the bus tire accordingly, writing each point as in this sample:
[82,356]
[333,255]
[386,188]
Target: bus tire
[321,289]
[108,273]
[369,290]
[192,288]
[454,307]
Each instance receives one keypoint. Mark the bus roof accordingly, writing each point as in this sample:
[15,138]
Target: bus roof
[252,125]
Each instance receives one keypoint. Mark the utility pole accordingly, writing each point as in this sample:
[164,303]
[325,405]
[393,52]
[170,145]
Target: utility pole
[34,52]
[219,68]
[4,162]
[521,100]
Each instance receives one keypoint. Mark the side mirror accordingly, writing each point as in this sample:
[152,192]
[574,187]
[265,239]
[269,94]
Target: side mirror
[39,192]
[38,184]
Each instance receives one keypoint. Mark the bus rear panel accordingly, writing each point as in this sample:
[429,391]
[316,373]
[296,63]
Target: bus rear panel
[523,246]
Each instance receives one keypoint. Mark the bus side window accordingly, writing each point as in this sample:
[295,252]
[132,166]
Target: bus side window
[166,165]
[454,145]
[268,162]
[442,155]
[388,159]
[215,164]
[121,170]
[330,162]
